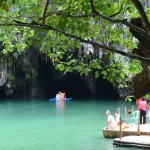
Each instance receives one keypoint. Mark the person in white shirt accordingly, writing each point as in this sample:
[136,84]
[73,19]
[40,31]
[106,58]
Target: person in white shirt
[60,96]
[117,118]
[110,121]
[123,122]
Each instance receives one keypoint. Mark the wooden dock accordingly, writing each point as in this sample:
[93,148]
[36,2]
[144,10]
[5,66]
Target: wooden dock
[132,130]
[142,141]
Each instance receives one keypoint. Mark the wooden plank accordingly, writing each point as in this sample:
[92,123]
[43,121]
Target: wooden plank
[134,141]
[115,133]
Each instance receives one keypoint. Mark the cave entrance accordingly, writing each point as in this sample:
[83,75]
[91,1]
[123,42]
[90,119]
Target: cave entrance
[72,84]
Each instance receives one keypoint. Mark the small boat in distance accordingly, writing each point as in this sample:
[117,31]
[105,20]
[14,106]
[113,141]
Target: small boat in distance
[54,99]
[60,96]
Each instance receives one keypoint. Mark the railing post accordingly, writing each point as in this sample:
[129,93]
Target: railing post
[125,110]
[120,129]
[138,127]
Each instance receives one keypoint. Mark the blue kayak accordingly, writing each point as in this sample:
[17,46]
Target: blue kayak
[54,99]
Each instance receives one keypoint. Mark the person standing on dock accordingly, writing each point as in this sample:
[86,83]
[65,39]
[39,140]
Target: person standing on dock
[110,121]
[137,102]
[143,108]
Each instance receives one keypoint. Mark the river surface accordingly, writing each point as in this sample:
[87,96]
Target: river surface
[44,125]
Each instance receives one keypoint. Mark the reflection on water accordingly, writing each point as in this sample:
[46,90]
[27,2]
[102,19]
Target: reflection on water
[60,106]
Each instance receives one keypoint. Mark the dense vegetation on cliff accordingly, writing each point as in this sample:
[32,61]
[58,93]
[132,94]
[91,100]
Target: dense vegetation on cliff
[108,38]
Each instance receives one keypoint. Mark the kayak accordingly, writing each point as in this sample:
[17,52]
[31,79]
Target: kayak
[54,99]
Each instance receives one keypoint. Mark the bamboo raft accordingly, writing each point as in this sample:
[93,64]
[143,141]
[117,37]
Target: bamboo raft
[144,129]
[142,141]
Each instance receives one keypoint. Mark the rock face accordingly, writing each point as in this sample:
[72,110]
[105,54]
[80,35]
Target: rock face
[30,75]
[19,74]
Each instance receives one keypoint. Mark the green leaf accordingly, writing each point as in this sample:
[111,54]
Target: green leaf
[129,98]
[1,1]
[5,6]
[104,72]
[13,1]
[122,75]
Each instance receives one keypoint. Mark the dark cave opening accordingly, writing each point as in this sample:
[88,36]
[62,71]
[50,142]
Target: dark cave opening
[3,95]
[104,89]
[71,84]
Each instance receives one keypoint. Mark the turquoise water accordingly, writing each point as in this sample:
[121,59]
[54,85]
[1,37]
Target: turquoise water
[43,125]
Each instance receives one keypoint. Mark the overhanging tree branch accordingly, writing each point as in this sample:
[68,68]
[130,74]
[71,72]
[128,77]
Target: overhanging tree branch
[53,12]
[97,14]
[124,22]
[142,13]
[117,12]
[47,2]
[95,44]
